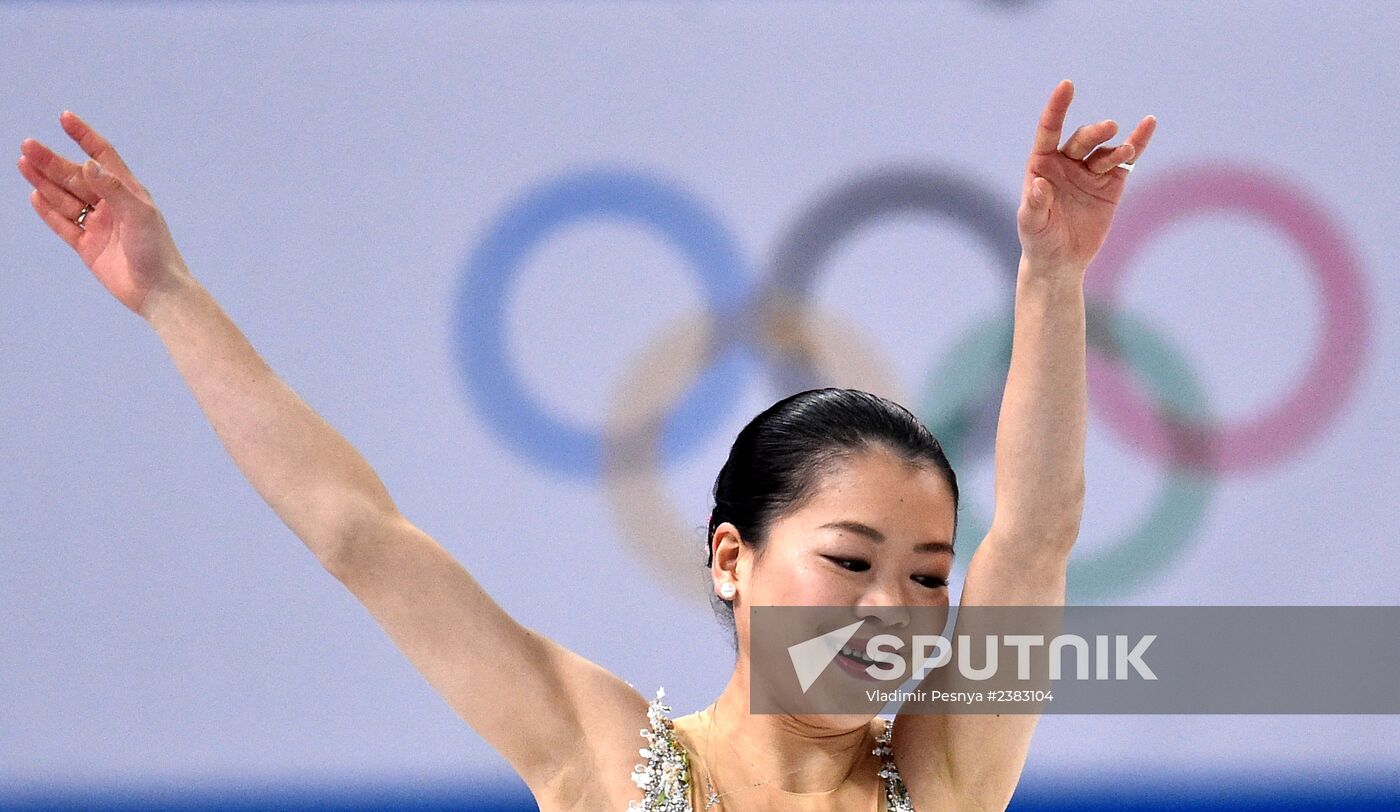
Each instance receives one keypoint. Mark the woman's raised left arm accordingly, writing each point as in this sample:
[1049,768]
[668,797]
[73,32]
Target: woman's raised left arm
[969,760]
[1068,200]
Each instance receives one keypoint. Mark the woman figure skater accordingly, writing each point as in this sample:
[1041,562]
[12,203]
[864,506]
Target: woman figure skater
[829,497]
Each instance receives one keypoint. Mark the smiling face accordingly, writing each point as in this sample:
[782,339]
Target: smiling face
[876,532]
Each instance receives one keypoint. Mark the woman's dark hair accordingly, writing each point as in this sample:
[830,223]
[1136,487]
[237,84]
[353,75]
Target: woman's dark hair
[779,458]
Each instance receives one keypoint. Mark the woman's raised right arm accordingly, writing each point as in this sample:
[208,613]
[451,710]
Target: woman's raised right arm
[309,475]
[548,711]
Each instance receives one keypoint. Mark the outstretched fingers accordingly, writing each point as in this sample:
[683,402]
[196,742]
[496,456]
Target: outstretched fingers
[1106,158]
[66,202]
[1052,119]
[96,146]
[60,171]
[54,166]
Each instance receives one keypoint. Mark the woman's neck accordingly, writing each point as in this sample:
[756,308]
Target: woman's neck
[788,753]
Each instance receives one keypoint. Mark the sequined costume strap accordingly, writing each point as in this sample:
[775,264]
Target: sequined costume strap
[896,795]
[664,776]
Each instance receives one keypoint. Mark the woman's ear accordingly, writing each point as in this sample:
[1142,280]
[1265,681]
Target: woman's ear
[725,547]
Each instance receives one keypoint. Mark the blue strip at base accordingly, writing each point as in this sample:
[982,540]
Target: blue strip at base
[1336,795]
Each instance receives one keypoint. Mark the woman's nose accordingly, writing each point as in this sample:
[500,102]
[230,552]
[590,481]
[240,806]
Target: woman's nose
[886,604]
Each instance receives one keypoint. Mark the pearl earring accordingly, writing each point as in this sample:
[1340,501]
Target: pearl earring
[726,591]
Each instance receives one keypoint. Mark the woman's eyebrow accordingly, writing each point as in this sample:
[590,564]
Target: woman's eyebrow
[862,529]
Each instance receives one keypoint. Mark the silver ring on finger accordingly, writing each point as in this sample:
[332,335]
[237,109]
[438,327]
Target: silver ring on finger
[82,215]
[1127,166]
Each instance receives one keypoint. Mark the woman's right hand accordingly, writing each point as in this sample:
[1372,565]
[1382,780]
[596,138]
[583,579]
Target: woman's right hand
[124,240]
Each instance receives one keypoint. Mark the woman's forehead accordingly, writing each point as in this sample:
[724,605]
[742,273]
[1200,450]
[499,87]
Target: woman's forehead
[914,502]
[879,479]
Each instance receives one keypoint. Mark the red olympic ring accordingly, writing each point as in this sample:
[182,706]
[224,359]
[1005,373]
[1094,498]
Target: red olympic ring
[1335,366]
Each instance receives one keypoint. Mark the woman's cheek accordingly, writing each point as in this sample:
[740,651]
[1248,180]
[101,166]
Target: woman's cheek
[819,586]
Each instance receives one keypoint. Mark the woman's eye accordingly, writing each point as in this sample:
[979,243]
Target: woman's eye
[931,581]
[852,564]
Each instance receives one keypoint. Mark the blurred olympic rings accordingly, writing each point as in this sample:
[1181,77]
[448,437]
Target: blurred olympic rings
[673,396]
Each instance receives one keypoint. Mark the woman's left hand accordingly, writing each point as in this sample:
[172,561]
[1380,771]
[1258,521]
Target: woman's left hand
[1071,192]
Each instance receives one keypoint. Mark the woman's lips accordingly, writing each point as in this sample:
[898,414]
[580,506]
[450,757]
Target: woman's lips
[855,668]
[862,645]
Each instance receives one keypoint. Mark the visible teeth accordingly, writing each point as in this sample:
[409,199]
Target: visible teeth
[850,652]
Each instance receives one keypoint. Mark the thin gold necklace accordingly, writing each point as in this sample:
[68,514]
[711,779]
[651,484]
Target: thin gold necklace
[712,797]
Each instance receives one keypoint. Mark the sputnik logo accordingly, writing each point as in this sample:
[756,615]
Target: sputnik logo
[811,657]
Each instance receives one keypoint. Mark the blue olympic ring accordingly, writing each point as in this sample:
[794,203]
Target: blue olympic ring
[481,307]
